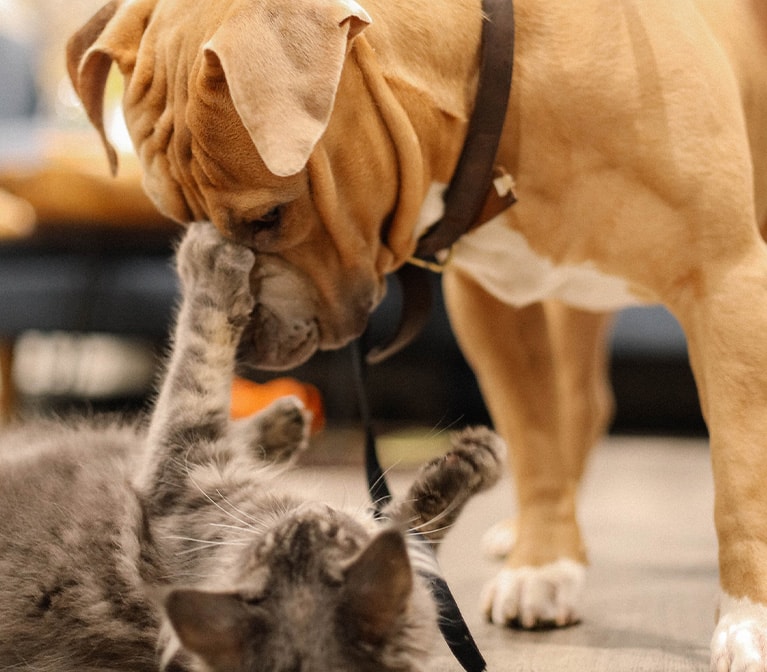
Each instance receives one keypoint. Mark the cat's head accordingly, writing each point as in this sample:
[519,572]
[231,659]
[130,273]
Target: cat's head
[317,594]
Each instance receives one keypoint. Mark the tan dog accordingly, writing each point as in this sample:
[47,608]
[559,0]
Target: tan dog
[637,134]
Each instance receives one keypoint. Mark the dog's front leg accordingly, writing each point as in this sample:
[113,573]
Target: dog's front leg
[726,336]
[515,357]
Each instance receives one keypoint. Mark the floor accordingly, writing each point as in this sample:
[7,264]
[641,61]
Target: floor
[646,512]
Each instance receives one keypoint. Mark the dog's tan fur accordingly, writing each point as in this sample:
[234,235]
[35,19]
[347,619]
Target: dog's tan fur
[637,134]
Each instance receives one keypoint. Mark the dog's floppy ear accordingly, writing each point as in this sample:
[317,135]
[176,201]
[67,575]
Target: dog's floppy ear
[112,35]
[282,63]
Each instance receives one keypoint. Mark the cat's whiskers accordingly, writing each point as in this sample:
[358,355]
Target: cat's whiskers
[437,430]
[238,510]
[252,529]
[201,490]
[448,510]
[219,507]
[379,503]
[205,543]
[361,510]
[429,532]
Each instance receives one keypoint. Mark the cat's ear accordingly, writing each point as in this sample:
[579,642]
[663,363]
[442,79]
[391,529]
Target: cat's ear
[379,582]
[212,625]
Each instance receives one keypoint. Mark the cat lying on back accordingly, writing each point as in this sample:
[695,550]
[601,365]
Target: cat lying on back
[175,545]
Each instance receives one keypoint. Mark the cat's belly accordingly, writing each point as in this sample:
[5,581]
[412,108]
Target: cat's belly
[504,264]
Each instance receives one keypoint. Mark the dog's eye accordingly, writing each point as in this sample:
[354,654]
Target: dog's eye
[268,220]
[261,232]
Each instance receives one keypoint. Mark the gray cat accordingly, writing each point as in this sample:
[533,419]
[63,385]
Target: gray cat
[176,546]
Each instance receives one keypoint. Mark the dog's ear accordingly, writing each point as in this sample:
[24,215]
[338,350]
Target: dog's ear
[282,63]
[112,35]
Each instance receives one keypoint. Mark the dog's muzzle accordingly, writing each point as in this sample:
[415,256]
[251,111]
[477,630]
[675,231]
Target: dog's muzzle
[292,320]
[283,331]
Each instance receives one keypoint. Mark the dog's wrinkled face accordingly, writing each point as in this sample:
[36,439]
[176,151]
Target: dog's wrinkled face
[229,105]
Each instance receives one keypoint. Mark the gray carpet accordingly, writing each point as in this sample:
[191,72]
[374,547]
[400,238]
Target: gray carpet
[649,602]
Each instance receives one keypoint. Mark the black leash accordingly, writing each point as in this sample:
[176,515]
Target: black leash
[451,622]
[463,208]
[377,485]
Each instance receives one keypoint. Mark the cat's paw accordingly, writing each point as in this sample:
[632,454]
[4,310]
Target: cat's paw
[478,452]
[446,483]
[280,431]
[535,597]
[217,268]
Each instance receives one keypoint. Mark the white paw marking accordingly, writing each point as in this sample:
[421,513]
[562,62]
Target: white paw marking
[739,643]
[498,541]
[535,596]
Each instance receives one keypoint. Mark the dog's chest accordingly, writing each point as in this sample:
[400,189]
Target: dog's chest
[502,261]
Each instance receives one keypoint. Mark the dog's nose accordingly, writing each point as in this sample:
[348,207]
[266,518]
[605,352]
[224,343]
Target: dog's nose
[348,321]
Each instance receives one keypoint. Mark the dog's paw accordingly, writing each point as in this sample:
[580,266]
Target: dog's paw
[211,266]
[739,643]
[535,597]
[280,431]
[499,539]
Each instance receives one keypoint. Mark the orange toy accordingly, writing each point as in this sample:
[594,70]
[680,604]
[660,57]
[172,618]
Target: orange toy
[249,397]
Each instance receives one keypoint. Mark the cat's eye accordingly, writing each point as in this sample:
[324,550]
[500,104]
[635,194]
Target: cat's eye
[253,598]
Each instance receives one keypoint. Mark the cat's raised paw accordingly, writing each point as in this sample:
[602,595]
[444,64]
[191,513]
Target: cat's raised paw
[481,453]
[280,431]
[444,485]
[211,265]
[474,463]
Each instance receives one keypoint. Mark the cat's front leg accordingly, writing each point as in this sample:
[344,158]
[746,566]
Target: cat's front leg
[276,434]
[444,485]
[192,408]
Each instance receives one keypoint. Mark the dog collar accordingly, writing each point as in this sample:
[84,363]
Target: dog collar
[479,189]
[465,206]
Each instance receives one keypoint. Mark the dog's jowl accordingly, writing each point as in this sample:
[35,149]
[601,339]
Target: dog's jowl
[637,137]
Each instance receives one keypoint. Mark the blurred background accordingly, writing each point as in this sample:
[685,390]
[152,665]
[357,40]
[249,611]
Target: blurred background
[87,289]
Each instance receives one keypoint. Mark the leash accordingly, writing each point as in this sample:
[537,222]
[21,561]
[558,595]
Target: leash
[451,622]
[465,206]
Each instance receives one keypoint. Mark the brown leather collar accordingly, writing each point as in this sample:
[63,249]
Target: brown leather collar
[471,197]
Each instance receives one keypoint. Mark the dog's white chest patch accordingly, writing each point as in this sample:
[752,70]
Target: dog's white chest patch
[501,260]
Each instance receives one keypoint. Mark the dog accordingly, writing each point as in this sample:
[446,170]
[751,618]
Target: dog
[322,133]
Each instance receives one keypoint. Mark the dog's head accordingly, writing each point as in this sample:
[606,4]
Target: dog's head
[231,108]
